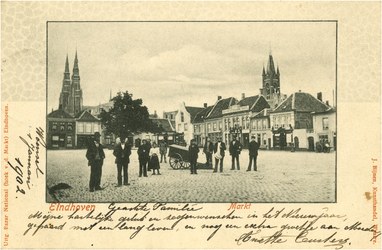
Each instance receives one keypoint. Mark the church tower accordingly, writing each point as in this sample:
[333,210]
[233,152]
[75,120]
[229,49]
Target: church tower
[71,93]
[271,83]
[75,98]
[65,91]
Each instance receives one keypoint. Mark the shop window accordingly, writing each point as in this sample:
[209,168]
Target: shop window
[323,137]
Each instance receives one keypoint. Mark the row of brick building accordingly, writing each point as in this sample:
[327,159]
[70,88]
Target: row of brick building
[277,121]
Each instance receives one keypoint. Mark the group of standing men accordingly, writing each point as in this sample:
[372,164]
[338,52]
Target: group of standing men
[147,154]
[217,151]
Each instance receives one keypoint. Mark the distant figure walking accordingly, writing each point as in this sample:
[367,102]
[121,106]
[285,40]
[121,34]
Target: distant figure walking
[253,147]
[122,152]
[143,156]
[234,150]
[163,150]
[219,154]
[193,151]
[154,160]
[95,156]
[207,150]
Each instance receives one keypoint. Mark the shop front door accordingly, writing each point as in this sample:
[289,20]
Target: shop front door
[245,140]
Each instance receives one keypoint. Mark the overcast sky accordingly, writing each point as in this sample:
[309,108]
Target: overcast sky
[192,62]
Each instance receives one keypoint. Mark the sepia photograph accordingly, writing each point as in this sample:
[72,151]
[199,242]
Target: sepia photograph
[204,112]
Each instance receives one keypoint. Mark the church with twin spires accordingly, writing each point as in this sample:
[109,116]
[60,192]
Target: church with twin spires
[71,93]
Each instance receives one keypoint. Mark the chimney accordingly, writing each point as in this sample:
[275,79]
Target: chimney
[319,96]
[205,105]
[219,97]
[327,103]
[242,96]
[299,91]
[155,113]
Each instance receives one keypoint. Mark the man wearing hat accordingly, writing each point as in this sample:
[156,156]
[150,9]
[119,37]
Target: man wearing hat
[143,157]
[95,156]
[193,151]
[122,154]
[234,150]
[253,147]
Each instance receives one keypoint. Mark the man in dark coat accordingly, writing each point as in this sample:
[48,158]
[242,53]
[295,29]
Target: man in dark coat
[208,149]
[193,151]
[122,153]
[219,154]
[234,150]
[143,156]
[253,147]
[95,156]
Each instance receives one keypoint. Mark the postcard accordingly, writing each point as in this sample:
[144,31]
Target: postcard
[191,125]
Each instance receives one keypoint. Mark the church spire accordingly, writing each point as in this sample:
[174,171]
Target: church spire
[67,64]
[271,65]
[263,70]
[76,71]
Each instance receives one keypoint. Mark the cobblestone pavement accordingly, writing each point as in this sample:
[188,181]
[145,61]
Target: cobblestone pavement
[281,177]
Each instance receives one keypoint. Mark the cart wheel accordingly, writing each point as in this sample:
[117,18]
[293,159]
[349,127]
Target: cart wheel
[185,164]
[176,163]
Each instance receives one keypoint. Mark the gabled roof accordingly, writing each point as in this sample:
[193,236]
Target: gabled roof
[248,101]
[256,103]
[165,123]
[199,117]
[193,111]
[85,116]
[59,113]
[301,102]
[220,106]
